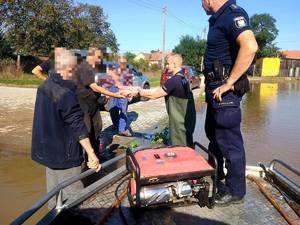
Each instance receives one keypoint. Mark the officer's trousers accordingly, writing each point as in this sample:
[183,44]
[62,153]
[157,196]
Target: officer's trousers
[222,127]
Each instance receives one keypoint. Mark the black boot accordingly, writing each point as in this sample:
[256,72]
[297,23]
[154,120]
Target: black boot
[227,199]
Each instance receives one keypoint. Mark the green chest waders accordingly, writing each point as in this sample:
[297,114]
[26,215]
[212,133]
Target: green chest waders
[182,118]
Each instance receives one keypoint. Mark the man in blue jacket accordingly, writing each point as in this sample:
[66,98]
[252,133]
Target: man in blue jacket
[59,131]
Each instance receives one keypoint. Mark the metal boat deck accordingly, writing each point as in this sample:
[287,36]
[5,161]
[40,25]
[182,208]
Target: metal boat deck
[256,209]
[97,203]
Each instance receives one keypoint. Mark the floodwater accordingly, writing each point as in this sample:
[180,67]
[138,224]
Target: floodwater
[270,123]
[271,129]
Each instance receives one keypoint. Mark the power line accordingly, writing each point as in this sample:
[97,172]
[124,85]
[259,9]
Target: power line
[149,5]
[184,22]
[289,41]
[145,5]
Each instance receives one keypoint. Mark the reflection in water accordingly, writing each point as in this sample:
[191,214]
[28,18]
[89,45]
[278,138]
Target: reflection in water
[271,123]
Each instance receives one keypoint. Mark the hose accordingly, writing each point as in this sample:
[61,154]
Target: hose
[116,203]
[120,198]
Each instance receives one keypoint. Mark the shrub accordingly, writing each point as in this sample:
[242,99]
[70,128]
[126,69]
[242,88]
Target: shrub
[9,70]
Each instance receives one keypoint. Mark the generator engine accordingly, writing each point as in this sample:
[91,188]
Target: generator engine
[170,175]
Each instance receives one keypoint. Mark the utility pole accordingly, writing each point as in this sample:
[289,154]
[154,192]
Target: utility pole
[164,11]
[204,33]
[202,57]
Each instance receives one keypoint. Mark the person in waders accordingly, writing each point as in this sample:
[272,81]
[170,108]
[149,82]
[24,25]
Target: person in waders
[179,102]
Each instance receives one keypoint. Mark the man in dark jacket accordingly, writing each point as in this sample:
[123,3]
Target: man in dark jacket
[59,132]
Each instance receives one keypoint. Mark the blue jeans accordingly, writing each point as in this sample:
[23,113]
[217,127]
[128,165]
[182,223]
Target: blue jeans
[118,111]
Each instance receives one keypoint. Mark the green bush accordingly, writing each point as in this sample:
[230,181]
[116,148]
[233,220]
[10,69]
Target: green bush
[155,67]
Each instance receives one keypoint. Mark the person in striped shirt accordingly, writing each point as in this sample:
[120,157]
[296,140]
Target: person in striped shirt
[118,107]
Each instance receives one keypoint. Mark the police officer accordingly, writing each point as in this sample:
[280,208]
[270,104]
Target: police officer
[231,47]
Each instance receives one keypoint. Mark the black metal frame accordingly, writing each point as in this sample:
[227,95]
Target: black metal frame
[57,190]
[215,176]
[133,167]
[283,182]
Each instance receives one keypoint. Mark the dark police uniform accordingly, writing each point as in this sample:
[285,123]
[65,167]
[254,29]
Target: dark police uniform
[222,125]
[181,110]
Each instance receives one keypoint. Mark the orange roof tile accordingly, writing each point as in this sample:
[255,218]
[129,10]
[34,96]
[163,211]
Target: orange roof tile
[291,54]
[156,56]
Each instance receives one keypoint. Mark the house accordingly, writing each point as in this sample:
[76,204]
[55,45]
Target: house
[290,63]
[291,54]
[144,56]
[152,58]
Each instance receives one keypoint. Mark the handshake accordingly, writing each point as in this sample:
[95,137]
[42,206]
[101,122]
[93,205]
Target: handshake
[130,92]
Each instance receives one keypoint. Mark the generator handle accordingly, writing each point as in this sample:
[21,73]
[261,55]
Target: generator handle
[136,171]
[212,202]
[134,161]
[208,152]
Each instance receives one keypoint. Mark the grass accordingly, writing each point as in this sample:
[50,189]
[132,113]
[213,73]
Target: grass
[154,78]
[29,79]
[154,81]
[22,79]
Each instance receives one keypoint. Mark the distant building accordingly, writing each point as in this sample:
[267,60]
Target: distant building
[291,54]
[151,58]
[290,63]
[144,56]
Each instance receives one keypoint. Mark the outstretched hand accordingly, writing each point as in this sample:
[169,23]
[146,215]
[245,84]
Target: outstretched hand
[130,92]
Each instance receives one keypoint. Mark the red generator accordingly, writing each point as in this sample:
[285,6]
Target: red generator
[170,175]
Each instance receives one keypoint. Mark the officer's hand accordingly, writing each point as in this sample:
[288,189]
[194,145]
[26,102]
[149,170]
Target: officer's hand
[220,90]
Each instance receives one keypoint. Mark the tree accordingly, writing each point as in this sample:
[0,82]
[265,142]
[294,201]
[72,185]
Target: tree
[191,49]
[265,32]
[141,64]
[154,51]
[130,57]
[5,48]
[155,67]
[97,26]
[32,27]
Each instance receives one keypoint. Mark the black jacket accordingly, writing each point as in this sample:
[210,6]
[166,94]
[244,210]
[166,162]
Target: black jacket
[58,125]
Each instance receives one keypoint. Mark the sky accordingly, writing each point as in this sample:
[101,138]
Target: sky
[138,24]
